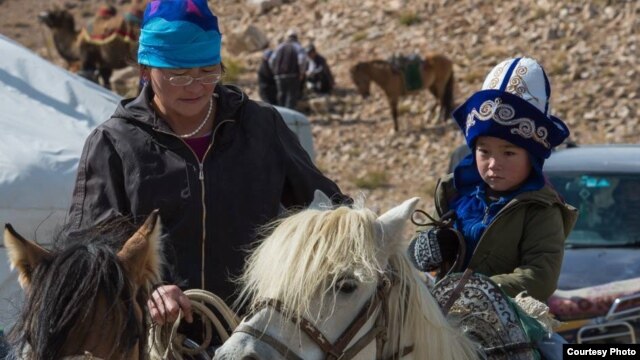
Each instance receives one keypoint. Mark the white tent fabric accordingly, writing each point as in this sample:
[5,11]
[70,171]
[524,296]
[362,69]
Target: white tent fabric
[45,115]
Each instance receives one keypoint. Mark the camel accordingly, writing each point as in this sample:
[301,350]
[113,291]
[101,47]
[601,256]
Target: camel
[109,42]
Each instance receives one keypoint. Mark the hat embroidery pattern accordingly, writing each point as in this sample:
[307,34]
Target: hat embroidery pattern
[503,114]
[517,85]
[493,84]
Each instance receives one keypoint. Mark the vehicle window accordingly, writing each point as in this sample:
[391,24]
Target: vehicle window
[609,206]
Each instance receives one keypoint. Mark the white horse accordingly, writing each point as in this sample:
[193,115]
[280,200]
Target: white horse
[335,284]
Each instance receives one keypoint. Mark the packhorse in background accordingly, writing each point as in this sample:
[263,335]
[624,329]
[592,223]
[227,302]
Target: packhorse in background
[407,76]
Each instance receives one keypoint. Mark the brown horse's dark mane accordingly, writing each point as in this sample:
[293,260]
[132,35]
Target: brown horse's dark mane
[64,294]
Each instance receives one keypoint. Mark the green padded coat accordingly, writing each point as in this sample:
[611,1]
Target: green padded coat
[522,249]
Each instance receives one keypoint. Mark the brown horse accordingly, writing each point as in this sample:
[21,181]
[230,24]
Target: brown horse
[110,42]
[87,297]
[437,76]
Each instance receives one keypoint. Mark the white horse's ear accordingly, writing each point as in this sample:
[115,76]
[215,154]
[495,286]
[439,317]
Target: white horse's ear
[392,222]
[320,201]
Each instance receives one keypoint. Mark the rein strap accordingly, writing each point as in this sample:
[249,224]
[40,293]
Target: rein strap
[286,353]
[337,351]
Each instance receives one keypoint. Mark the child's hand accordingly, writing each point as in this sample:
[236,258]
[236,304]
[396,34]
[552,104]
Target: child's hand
[448,242]
[430,248]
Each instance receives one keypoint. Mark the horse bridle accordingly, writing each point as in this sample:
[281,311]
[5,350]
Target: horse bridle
[337,350]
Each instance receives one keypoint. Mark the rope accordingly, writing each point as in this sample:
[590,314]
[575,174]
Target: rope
[167,340]
[445,221]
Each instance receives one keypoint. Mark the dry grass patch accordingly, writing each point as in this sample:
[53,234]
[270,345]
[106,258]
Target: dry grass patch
[409,18]
[233,69]
[360,35]
[372,180]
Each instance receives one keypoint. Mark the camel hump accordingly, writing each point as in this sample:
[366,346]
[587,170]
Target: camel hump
[106,11]
[107,25]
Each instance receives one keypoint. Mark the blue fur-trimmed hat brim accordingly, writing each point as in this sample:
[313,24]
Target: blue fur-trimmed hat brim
[509,117]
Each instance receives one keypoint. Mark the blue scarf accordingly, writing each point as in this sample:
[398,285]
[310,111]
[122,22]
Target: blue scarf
[475,212]
[180,34]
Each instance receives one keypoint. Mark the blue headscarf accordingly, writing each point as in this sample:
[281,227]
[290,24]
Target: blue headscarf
[179,34]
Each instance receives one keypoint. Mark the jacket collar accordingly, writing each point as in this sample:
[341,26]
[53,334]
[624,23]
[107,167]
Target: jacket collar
[446,192]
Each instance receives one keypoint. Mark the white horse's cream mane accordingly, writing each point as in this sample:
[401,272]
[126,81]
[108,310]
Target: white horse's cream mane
[308,253]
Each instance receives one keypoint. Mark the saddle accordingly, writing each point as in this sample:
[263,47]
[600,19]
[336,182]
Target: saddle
[410,66]
[477,305]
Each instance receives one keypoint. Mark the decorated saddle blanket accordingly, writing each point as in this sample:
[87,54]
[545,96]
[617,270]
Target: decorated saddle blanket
[107,24]
[411,69]
[489,317]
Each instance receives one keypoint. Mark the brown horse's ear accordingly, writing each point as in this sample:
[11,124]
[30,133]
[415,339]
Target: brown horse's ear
[24,255]
[141,254]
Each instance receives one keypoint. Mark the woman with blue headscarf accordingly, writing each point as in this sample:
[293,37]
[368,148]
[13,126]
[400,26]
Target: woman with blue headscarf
[512,221]
[215,163]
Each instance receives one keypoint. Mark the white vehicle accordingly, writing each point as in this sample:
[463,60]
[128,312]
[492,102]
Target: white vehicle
[46,115]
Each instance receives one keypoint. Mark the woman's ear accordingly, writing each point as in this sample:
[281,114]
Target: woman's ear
[145,73]
[145,77]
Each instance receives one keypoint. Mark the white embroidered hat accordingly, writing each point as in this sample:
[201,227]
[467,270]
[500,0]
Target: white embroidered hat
[513,105]
[523,77]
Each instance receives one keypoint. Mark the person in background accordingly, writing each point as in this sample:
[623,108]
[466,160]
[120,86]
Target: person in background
[513,222]
[288,64]
[216,164]
[267,88]
[318,75]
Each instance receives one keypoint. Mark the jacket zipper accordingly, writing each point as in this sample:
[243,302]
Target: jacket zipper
[510,205]
[486,215]
[202,192]
[484,219]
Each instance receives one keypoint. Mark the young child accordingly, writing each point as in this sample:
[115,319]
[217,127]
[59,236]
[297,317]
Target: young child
[513,222]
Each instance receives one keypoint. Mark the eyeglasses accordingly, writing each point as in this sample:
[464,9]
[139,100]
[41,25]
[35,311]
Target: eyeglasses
[184,80]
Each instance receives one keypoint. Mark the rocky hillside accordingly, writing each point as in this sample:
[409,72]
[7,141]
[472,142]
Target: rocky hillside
[590,50]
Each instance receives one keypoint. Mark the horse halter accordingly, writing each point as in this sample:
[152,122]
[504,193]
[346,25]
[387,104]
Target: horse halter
[338,350]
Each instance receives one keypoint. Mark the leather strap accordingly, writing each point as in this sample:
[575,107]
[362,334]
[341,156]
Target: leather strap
[455,293]
[338,350]
[281,348]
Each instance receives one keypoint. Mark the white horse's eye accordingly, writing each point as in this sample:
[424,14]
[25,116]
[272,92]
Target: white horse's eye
[346,286]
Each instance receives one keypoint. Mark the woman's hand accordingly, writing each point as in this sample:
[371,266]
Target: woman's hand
[165,305]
